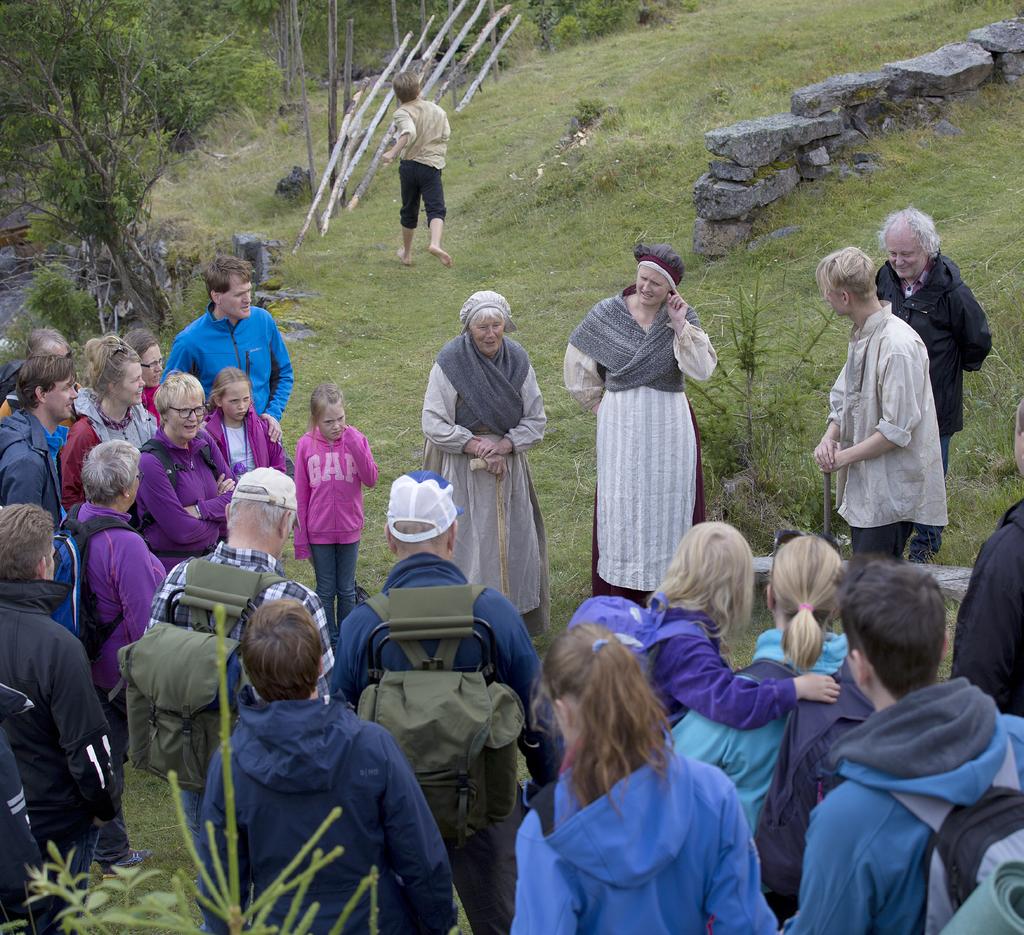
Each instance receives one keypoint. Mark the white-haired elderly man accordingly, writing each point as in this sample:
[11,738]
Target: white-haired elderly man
[260,517]
[926,291]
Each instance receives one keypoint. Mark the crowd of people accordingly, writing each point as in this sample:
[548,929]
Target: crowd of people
[668,792]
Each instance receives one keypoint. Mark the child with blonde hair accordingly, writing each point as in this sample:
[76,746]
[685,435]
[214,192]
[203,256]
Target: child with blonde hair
[333,463]
[632,837]
[242,436]
[710,583]
[802,600]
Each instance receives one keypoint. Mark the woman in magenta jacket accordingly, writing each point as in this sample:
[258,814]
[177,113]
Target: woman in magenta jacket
[333,463]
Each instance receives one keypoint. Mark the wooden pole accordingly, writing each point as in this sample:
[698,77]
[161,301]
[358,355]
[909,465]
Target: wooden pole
[450,13]
[394,19]
[487,65]
[332,78]
[494,40]
[371,170]
[348,63]
[302,83]
[457,71]
[423,13]
[325,219]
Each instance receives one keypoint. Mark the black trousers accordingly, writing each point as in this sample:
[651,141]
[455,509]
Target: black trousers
[881,540]
[419,181]
[484,873]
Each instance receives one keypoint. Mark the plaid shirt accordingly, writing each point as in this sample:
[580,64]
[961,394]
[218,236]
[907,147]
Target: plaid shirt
[251,560]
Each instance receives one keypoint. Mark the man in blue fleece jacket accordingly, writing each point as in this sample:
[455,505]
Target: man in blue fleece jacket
[863,866]
[421,532]
[233,332]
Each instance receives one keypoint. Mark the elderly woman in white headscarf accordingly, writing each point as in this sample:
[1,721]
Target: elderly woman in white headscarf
[482,412]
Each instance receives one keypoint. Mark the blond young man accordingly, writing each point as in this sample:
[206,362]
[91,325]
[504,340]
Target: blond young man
[882,439]
[423,133]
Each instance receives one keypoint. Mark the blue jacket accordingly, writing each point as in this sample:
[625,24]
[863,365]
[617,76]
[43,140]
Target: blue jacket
[28,472]
[656,856]
[863,865]
[748,757]
[295,761]
[517,663]
[254,345]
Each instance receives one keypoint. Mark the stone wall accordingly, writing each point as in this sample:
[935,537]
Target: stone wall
[759,161]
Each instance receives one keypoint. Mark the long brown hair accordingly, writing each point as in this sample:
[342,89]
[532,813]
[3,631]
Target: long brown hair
[805,576]
[622,724]
[222,381]
[108,358]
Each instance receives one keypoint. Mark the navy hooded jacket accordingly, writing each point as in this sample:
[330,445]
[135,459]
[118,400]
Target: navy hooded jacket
[28,472]
[293,762]
[517,664]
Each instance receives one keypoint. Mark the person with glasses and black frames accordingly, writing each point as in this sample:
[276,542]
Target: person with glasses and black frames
[151,358]
[186,483]
[109,408]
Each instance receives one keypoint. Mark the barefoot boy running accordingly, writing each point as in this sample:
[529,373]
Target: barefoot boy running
[423,133]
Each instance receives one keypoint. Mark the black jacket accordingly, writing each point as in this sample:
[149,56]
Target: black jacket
[19,849]
[952,325]
[61,745]
[28,472]
[293,762]
[988,648]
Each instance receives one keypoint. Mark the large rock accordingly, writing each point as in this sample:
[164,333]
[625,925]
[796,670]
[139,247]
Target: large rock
[261,253]
[837,91]
[1006,36]
[953,69]
[762,141]
[1011,66]
[717,238]
[295,185]
[730,172]
[719,201]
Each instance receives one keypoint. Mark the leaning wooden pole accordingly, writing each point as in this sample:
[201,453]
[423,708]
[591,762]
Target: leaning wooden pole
[332,78]
[357,122]
[371,170]
[382,110]
[492,58]
[427,87]
[460,68]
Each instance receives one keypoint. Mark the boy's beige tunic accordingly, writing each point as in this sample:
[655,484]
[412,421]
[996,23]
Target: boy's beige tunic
[427,127]
[884,387]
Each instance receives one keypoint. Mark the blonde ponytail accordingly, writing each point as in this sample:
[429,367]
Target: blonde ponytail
[805,576]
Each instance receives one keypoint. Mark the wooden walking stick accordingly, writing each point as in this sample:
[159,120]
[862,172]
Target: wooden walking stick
[826,528]
[479,464]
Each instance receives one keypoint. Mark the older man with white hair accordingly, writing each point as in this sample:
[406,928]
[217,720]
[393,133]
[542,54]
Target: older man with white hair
[926,291]
[260,517]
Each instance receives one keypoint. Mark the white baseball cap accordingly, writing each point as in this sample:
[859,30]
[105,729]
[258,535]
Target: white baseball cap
[421,497]
[266,485]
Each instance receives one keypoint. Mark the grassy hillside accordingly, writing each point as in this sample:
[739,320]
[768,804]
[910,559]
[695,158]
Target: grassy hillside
[553,229]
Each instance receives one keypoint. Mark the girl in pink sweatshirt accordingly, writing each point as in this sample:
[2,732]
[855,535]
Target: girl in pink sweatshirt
[333,463]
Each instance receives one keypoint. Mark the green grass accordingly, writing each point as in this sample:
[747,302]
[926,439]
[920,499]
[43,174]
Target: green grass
[557,240]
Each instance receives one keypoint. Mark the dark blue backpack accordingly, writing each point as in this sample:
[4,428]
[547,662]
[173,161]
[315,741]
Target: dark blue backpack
[78,612]
[639,628]
[802,778]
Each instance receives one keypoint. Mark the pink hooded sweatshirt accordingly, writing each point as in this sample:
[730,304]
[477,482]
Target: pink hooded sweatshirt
[329,481]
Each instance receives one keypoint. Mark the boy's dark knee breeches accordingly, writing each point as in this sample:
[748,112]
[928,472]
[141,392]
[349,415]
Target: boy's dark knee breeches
[419,181]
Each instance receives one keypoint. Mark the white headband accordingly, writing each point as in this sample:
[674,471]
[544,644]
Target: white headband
[647,264]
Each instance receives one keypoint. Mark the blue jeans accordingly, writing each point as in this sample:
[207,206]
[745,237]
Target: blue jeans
[335,569]
[192,803]
[927,540]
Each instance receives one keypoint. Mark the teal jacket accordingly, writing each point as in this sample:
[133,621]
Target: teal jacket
[748,757]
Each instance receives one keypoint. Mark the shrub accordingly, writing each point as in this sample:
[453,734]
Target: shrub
[55,299]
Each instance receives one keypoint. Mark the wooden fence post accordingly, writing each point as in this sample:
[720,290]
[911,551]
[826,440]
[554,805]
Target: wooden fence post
[302,83]
[332,78]
[487,65]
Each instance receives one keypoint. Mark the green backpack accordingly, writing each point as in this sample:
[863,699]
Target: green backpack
[172,678]
[457,729]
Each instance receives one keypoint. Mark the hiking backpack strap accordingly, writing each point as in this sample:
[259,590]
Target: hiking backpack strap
[443,613]
[158,450]
[208,584]
[541,799]
[933,812]
[761,669]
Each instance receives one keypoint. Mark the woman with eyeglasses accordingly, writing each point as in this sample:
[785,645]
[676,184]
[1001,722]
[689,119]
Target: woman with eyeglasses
[109,408]
[186,483]
[145,344]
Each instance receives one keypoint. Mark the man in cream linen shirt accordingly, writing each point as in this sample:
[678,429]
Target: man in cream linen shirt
[882,439]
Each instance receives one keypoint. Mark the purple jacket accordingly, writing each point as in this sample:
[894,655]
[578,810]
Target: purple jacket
[265,452]
[690,674]
[175,534]
[123,575]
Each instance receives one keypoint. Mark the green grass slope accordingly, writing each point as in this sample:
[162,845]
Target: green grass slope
[553,230]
